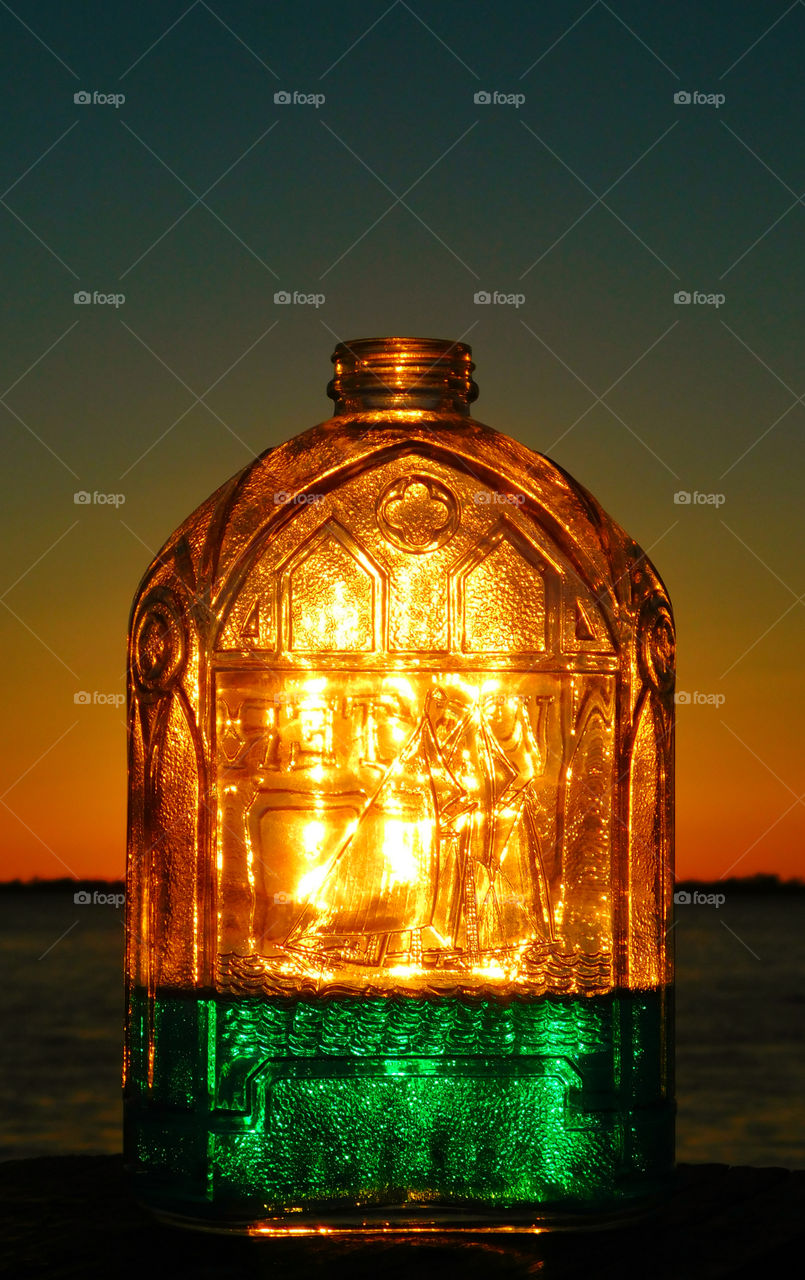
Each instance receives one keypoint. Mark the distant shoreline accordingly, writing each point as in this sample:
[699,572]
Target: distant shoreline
[757,884]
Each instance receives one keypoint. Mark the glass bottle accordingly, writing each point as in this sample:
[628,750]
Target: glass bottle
[400,834]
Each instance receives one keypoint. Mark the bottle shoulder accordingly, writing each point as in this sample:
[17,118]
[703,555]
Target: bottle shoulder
[294,476]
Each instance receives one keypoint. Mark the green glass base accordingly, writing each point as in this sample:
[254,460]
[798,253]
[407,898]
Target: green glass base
[383,1114]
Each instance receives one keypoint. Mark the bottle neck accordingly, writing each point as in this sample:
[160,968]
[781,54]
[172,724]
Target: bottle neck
[404,374]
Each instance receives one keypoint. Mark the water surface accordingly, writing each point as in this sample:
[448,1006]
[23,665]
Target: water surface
[740,1028]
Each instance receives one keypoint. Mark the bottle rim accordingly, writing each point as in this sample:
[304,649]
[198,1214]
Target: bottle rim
[402,373]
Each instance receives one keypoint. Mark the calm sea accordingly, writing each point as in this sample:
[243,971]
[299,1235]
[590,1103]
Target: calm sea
[740,1028]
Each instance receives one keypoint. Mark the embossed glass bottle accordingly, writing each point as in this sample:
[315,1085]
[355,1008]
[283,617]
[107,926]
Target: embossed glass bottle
[400,833]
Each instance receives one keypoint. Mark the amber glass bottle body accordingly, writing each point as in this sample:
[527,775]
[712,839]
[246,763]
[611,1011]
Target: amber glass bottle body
[401,824]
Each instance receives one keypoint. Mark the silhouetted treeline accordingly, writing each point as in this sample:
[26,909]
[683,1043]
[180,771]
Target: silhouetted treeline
[732,885]
[64,885]
[757,884]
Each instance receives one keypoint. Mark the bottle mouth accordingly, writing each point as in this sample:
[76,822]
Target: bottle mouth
[403,374]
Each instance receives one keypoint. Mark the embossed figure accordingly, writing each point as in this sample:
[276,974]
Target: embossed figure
[447,845]
[490,745]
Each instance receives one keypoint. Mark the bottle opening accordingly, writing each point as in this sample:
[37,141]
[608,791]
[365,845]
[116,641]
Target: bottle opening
[402,373]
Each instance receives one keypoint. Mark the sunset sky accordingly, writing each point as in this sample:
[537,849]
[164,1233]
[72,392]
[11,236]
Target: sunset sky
[582,194]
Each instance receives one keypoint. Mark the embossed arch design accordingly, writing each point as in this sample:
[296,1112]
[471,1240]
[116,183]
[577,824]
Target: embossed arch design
[349,589]
[487,587]
[586,628]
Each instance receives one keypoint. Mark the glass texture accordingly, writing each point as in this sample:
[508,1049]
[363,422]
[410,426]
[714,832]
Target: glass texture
[400,834]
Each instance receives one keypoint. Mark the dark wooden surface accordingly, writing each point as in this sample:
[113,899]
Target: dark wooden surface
[73,1216]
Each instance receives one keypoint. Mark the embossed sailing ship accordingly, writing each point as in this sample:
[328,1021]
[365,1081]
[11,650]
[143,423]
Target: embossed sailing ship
[440,870]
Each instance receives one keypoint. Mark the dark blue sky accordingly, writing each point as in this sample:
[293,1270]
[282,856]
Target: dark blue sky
[597,197]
